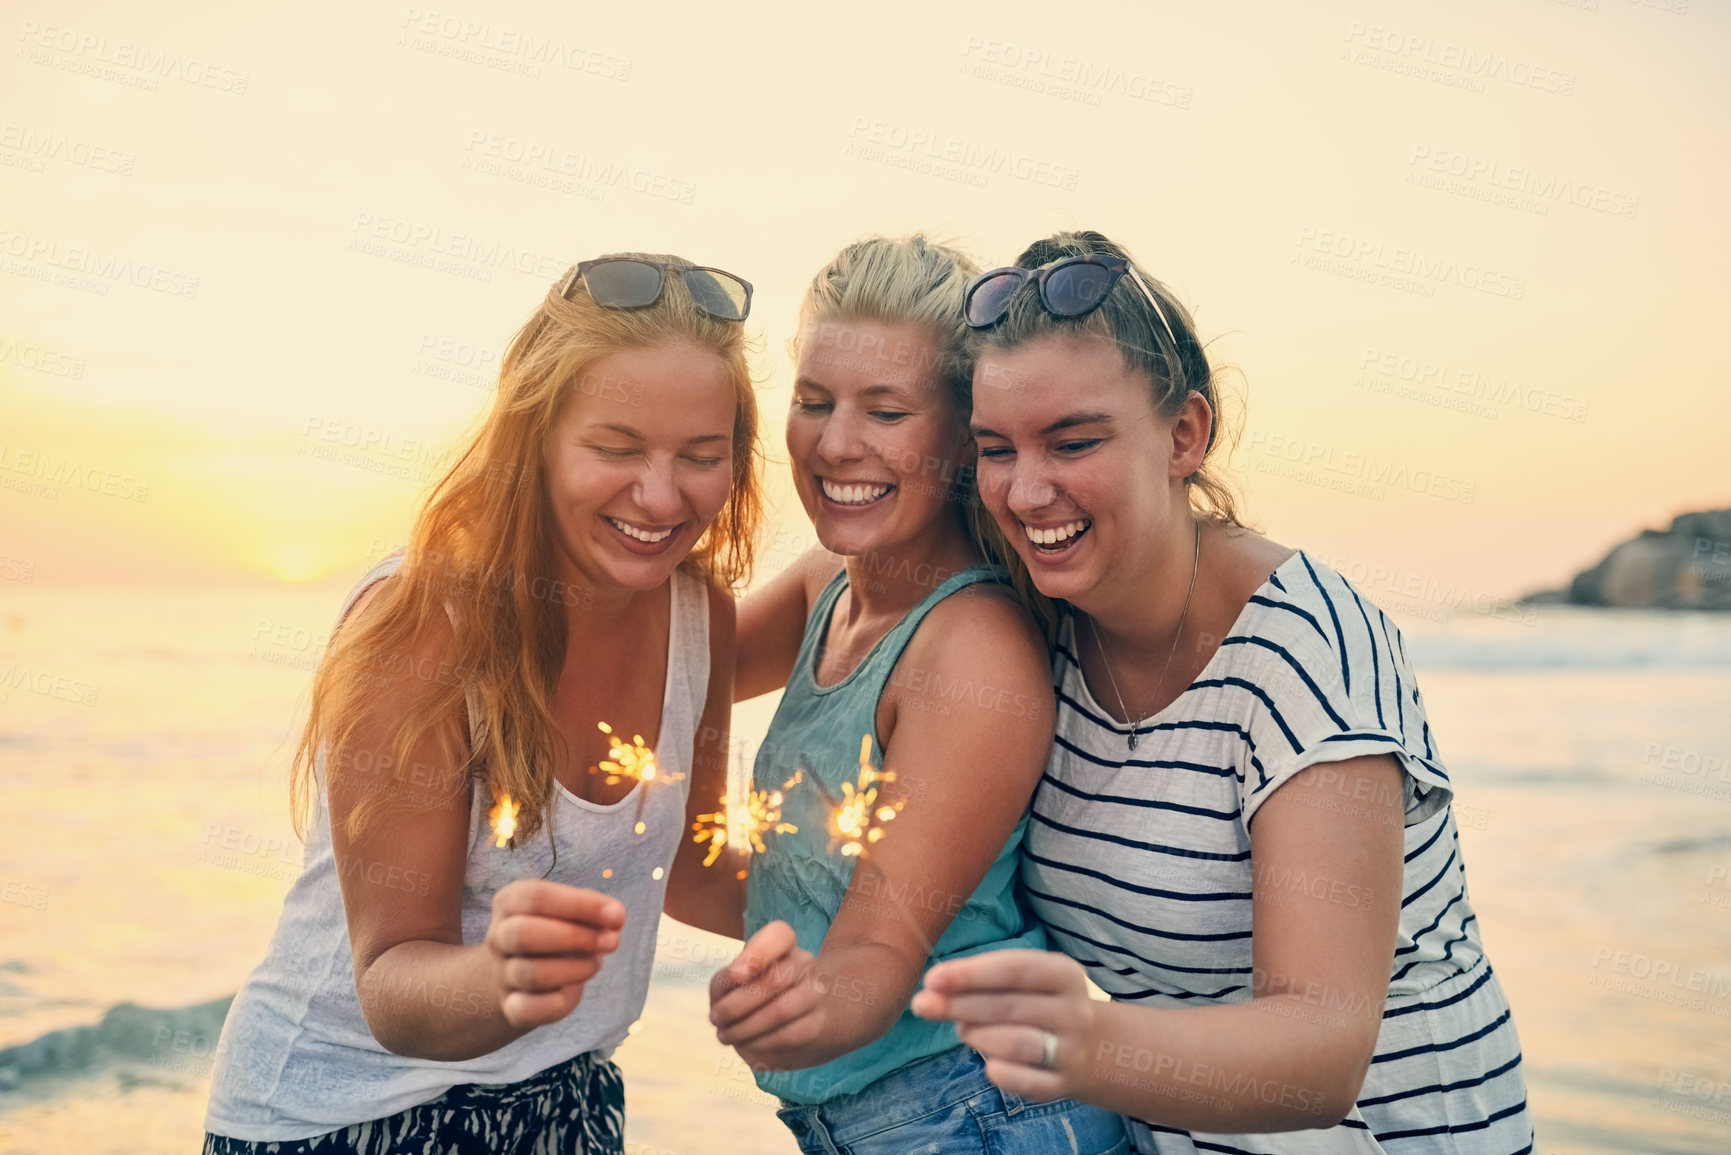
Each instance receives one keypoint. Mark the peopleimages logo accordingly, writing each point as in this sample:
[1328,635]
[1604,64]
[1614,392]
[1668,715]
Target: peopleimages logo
[47,253]
[881,140]
[23,894]
[1068,77]
[95,54]
[48,684]
[1424,372]
[1494,176]
[505,47]
[1425,596]
[1662,979]
[56,471]
[1373,256]
[465,254]
[41,359]
[1429,58]
[45,146]
[1367,468]
[499,155]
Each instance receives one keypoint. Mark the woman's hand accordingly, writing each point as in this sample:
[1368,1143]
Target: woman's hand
[767,1002]
[546,940]
[1003,1004]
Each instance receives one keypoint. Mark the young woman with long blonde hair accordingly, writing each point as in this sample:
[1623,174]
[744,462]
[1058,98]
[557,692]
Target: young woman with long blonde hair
[435,984]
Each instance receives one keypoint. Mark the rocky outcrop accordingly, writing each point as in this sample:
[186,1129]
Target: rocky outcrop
[1685,567]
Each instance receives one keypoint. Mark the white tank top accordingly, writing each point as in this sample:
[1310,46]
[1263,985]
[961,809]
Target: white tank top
[296,1058]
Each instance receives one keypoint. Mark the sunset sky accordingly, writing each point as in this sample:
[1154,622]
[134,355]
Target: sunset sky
[1483,243]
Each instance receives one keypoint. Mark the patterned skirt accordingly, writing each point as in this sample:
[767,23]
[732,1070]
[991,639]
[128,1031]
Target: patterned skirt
[574,1108]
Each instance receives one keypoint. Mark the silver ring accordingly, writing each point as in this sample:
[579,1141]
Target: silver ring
[1049,1050]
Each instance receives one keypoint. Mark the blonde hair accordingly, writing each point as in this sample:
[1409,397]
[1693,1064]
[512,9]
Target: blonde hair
[905,280]
[897,281]
[480,557]
[1173,359]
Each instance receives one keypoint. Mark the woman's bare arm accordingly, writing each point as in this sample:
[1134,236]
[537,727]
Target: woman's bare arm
[772,623]
[1291,1058]
[966,763]
[710,897]
[424,992]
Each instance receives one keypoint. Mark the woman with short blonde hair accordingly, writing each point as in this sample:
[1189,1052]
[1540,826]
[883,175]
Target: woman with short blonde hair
[902,655]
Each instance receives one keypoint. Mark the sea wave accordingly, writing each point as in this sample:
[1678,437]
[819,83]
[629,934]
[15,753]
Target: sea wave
[127,1033]
[1565,639]
[1702,845]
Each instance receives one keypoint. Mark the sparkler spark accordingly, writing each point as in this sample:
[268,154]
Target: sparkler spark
[743,825]
[503,816]
[632,759]
[857,821]
[627,760]
[853,823]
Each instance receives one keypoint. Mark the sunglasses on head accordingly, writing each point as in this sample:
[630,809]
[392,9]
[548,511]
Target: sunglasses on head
[632,283]
[1072,287]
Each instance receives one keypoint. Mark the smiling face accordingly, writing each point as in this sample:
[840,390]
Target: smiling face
[638,464]
[873,440]
[1075,466]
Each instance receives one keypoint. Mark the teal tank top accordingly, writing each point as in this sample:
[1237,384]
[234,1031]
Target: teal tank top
[817,731]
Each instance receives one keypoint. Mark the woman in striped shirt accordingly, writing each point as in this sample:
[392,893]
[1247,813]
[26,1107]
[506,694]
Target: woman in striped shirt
[1244,834]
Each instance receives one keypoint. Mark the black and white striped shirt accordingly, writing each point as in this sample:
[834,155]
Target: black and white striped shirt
[1139,864]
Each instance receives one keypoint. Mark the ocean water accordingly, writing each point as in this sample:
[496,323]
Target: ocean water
[145,848]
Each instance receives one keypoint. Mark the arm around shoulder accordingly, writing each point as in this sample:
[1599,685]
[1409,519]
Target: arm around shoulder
[711,897]
[969,707]
[423,991]
[772,623]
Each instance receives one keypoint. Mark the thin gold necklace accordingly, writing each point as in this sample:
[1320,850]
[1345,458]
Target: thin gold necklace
[1136,726]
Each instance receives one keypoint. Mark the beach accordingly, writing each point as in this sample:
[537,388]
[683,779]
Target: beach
[145,848]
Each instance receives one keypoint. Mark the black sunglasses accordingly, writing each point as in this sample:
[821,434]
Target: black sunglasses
[1072,287]
[630,283]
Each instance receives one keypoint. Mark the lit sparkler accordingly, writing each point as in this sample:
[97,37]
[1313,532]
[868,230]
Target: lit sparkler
[856,823]
[631,760]
[744,824]
[503,816]
[627,760]
[857,820]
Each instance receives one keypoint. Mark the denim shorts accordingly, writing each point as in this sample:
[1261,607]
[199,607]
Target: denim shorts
[943,1105]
